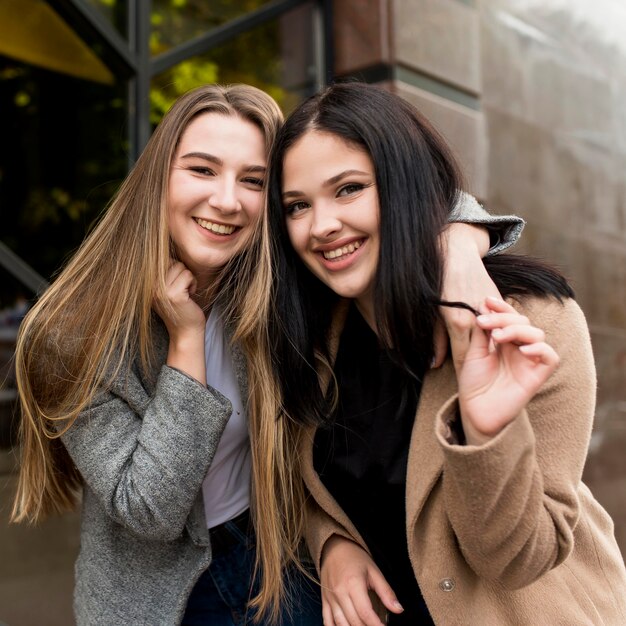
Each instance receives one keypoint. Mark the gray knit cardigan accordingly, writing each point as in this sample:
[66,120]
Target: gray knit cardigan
[143,449]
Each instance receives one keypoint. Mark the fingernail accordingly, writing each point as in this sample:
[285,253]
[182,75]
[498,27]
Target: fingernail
[432,363]
[398,606]
[483,319]
[497,332]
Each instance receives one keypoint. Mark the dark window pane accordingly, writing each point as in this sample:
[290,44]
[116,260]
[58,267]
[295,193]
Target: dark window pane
[114,11]
[62,156]
[278,57]
[177,21]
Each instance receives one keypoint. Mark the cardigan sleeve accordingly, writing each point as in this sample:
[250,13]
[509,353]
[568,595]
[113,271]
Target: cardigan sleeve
[513,502]
[504,230]
[145,457]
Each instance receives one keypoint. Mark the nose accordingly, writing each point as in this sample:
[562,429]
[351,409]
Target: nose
[325,222]
[224,197]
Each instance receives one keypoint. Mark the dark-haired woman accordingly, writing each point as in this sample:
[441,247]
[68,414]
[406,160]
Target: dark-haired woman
[454,495]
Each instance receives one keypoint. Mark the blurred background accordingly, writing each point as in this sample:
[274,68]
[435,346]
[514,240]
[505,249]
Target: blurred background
[530,93]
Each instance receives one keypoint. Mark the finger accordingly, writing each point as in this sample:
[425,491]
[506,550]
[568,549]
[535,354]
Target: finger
[341,609]
[518,335]
[345,615]
[185,283]
[327,613]
[459,324]
[542,352]
[378,583]
[499,320]
[496,304]
[440,341]
[479,345]
[174,271]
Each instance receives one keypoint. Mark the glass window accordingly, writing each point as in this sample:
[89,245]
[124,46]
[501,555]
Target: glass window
[62,156]
[278,57]
[177,21]
[114,11]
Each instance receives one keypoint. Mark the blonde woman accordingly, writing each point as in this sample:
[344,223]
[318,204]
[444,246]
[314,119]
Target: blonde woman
[137,375]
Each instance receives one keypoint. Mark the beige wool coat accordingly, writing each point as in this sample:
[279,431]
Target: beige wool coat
[504,533]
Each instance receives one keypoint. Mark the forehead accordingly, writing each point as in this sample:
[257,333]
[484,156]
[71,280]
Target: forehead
[212,131]
[315,139]
[320,154]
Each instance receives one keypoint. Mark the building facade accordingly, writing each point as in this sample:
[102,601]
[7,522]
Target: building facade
[529,93]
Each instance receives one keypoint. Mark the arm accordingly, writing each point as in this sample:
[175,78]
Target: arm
[464,244]
[347,574]
[145,457]
[504,230]
[512,497]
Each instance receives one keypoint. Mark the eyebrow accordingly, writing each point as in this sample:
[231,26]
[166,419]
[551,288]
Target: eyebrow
[333,180]
[217,161]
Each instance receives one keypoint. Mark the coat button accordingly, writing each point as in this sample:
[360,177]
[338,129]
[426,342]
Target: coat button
[447,584]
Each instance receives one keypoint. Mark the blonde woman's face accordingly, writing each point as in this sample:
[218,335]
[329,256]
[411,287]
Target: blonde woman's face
[215,190]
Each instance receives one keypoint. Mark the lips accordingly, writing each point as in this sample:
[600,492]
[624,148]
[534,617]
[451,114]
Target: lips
[218,229]
[332,252]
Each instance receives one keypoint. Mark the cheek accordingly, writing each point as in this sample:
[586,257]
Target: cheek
[254,206]
[295,235]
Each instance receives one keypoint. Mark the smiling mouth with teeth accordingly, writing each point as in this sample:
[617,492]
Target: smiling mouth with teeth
[331,255]
[218,229]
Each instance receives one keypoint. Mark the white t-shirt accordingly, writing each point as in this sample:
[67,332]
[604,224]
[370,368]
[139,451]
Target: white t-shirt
[226,488]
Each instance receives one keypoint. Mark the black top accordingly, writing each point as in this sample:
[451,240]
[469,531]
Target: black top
[362,457]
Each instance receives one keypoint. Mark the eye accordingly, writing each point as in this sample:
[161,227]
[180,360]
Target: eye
[296,207]
[349,189]
[204,171]
[255,182]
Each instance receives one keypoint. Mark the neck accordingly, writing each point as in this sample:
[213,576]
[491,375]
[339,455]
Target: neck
[365,306]
[207,287]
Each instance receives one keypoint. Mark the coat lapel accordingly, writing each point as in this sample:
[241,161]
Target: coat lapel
[425,463]
[310,476]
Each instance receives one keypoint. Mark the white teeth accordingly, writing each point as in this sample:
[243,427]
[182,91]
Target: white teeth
[220,229]
[339,252]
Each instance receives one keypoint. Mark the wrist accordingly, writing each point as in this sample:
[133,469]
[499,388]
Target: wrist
[475,436]
[468,239]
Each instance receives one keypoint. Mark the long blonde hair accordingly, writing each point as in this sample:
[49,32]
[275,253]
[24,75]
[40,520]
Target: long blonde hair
[97,316]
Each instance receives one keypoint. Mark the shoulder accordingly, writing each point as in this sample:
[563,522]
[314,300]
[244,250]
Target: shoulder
[559,319]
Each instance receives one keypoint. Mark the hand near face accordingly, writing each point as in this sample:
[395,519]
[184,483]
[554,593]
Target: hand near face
[347,575]
[506,364]
[183,316]
[185,322]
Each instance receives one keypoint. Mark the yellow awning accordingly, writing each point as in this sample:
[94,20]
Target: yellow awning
[31,32]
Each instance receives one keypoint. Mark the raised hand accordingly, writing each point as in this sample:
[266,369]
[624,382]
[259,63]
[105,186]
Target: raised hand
[347,575]
[465,279]
[507,362]
[185,322]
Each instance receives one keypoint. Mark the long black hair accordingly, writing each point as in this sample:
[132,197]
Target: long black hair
[418,183]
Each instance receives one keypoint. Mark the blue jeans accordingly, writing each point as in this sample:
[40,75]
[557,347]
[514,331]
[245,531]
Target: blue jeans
[221,595]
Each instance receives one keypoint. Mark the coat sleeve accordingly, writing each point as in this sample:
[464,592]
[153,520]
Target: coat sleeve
[513,502]
[319,528]
[504,230]
[145,457]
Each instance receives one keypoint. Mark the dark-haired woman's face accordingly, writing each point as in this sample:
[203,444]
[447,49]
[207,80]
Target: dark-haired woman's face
[332,212]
